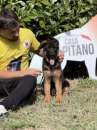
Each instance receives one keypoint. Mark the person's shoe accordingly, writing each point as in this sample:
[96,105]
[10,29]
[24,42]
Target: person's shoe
[2,110]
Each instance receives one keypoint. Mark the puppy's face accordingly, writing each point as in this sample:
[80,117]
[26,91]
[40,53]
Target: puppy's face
[51,50]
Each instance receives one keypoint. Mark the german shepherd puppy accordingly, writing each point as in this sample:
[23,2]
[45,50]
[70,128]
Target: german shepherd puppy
[51,67]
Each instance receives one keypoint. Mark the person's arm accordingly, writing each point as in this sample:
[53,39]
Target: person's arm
[10,74]
[36,47]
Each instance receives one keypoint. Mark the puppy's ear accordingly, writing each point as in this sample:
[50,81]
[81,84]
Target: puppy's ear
[40,50]
[43,44]
[56,42]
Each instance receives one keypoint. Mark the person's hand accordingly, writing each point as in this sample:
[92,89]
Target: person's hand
[33,72]
[61,55]
[41,52]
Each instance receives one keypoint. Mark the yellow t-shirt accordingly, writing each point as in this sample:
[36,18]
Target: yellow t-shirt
[14,54]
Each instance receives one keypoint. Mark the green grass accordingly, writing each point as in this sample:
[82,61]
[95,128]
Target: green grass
[78,111]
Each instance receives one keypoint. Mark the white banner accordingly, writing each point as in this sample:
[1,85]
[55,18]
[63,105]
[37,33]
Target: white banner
[78,45]
[81,45]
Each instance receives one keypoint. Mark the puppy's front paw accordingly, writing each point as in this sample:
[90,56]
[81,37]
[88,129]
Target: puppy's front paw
[58,99]
[47,99]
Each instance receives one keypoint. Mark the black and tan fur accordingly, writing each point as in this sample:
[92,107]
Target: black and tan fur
[51,68]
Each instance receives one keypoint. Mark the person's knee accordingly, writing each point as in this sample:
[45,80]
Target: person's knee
[30,77]
[29,80]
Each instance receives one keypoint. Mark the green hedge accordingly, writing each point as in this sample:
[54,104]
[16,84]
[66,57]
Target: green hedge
[52,16]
